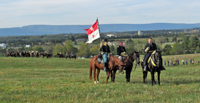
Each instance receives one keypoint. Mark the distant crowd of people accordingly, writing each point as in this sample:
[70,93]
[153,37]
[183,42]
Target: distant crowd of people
[176,62]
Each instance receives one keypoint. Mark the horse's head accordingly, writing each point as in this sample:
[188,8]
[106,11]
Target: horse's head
[157,58]
[118,62]
[135,56]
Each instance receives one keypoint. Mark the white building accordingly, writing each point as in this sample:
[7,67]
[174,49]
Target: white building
[3,45]
[110,35]
[140,33]
[27,46]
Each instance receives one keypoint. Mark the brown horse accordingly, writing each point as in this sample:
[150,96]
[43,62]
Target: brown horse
[113,63]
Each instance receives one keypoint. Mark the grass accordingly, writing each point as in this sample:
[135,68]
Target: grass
[61,80]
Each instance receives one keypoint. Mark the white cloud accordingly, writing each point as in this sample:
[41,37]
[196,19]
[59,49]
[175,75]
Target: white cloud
[65,12]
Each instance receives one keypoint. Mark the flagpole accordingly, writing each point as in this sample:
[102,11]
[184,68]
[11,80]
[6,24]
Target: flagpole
[99,30]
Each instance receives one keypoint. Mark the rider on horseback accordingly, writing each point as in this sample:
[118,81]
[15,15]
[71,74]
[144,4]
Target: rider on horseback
[149,48]
[72,53]
[121,51]
[106,50]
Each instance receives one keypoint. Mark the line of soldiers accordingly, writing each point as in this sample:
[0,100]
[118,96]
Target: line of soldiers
[67,53]
[23,54]
[121,52]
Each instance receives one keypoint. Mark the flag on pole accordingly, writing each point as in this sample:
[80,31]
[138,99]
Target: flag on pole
[93,32]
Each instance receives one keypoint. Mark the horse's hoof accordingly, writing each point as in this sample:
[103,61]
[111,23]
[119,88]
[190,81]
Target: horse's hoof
[95,82]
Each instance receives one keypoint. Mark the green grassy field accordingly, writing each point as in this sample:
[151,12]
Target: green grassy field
[61,80]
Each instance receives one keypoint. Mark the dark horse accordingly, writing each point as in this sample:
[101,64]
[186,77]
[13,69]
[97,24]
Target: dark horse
[47,55]
[129,63]
[113,63]
[154,65]
[60,55]
[37,54]
[68,56]
[73,56]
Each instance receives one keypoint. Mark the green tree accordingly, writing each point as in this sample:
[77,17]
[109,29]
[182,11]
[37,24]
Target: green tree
[38,48]
[94,50]
[193,43]
[129,41]
[75,43]
[68,42]
[177,49]
[166,39]
[70,48]
[113,50]
[198,49]
[174,39]
[84,50]
[186,42]
[182,35]
[161,40]
[57,49]
[167,49]
[130,48]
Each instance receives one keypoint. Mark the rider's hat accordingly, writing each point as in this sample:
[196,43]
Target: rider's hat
[105,40]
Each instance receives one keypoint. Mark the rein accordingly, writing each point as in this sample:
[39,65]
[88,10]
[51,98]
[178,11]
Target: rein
[150,59]
[132,62]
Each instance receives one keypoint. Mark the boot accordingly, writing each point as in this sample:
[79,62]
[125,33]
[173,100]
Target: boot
[104,64]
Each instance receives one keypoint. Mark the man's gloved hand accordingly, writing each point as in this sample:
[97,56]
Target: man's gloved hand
[147,49]
[124,54]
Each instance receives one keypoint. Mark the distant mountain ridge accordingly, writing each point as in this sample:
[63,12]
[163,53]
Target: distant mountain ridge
[57,29]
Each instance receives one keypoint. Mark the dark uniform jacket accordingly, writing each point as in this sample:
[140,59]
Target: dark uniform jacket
[152,47]
[105,49]
[120,49]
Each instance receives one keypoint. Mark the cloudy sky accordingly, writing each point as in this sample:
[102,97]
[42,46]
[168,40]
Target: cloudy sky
[18,13]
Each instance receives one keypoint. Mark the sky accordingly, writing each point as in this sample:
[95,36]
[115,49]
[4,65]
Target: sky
[18,13]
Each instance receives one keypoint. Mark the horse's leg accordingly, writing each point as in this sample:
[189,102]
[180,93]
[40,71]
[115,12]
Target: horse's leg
[152,77]
[97,75]
[111,76]
[108,76]
[159,77]
[128,73]
[144,76]
[94,72]
[114,72]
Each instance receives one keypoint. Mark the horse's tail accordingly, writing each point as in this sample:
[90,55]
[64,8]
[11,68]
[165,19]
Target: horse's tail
[90,68]
[90,72]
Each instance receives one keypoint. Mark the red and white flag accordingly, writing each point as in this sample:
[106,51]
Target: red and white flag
[93,32]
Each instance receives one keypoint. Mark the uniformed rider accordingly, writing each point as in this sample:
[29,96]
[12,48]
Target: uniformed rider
[106,50]
[121,51]
[149,48]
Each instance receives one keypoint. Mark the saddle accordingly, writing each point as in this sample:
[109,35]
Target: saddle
[100,59]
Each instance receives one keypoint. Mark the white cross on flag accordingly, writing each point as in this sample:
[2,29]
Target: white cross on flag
[93,32]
